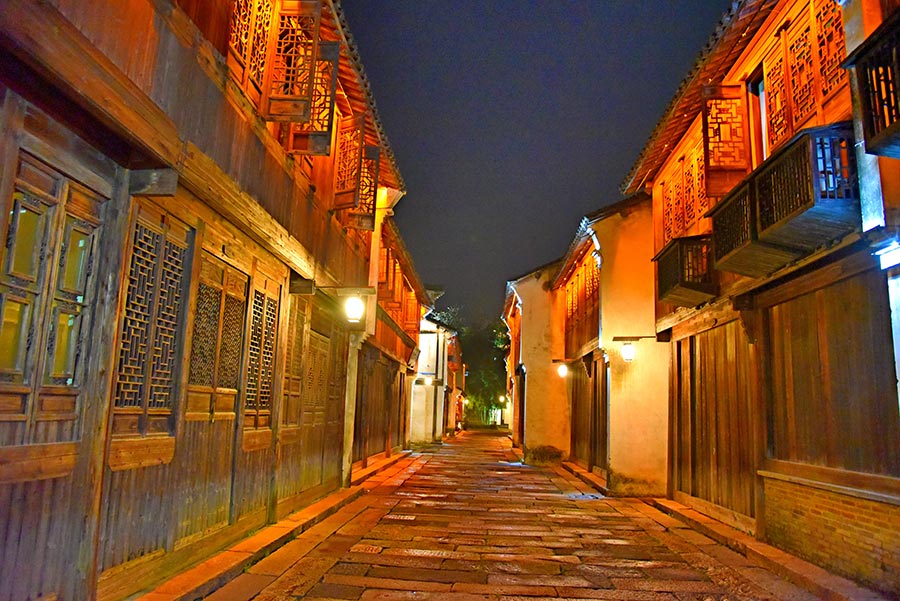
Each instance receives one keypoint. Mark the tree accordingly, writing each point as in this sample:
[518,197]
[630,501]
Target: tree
[484,351]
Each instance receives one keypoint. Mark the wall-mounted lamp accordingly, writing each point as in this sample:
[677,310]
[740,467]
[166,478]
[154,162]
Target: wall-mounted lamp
[429,380]
[628,349]
[354,309]
[562,369]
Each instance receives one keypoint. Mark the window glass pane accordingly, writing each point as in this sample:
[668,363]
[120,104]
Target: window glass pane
[14,334]
[66,346]
[27,242]
[74,265]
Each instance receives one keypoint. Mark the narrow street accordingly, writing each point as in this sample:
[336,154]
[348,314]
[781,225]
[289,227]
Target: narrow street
[467,521]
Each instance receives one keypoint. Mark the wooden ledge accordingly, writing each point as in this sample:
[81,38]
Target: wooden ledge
[133,453]
[37,461]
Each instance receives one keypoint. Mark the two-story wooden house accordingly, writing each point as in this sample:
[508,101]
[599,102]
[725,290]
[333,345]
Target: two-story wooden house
[771,225]
[387,358]
[185,190]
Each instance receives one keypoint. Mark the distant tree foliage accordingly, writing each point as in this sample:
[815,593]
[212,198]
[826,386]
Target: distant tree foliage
[485,345]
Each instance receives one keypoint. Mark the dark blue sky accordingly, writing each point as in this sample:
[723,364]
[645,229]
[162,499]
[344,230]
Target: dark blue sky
[512,118]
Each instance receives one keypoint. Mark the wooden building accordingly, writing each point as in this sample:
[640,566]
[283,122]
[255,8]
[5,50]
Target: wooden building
[186,188]
[617,380]
[387,358]
[774,230]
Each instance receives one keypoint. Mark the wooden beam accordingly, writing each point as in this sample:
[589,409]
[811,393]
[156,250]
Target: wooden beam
[153,182]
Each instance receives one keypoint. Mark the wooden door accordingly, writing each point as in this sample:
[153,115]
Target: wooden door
[314,402]
[600,416]
[581,392]
[714,419]
[206,453]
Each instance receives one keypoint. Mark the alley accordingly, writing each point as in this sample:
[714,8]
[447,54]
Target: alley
[466,521]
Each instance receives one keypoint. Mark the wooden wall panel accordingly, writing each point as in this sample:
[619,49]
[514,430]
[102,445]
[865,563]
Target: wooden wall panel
[34,550]
[135,514]
[833,395]
[203,461]
[252,479]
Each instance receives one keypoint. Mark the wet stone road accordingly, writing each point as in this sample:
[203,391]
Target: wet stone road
[466,521]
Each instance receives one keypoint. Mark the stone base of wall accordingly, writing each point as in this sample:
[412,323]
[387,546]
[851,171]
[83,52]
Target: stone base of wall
[855,537]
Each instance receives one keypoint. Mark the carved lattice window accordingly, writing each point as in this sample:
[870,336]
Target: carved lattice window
[348,163]
[251,24]
[803,69]
[218,334]
[776,97]
[689,194]
[363,216]
[698,162]
[832,49]
[149,338]
[45,312]
[668,212]
[725,130]
[802,74]
[291,61]
[314,136]
[261,358]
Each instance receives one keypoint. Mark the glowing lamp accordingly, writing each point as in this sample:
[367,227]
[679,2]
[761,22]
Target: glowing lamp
[563,370]
[428,380]
[628,352]
[354,307]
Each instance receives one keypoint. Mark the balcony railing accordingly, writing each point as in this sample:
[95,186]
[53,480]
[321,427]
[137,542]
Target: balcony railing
[801,198]
[684,272]
[877,64]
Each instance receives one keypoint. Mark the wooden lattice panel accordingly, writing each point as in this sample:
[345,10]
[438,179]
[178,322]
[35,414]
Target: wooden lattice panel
[698,169]
[347,164]
[314,135]
[832,49]
[726,133]
[260,358]
[291,61]
[149,337]
[241,19]
[134,338]
[668,203]
[779,126]
[801,72]
[164,355]
[262,23]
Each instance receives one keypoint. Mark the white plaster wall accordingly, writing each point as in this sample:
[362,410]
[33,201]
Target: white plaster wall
[638,403]
[546,404]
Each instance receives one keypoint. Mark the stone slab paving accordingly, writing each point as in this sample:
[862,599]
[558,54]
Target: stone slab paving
[469,522]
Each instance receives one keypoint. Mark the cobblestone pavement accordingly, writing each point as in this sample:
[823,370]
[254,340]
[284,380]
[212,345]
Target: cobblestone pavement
[466,521]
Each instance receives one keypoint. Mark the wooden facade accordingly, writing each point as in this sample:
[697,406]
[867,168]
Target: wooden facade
[387,360]
[165,183]
[783,378]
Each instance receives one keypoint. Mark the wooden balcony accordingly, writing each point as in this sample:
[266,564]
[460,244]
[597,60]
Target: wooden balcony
[877,70]
[684,273]
[801,198]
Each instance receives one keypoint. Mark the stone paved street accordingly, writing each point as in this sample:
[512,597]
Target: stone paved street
[466,521]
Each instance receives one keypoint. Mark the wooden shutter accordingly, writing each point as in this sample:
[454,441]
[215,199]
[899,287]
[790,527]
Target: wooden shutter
[293,375]
[363,216]
[149,339]
[218,337]
[251,24]
[291,61]
[801,71]
[313,137]
[348,162]
[832,49]
[778,121]
[261,355]
[725,139]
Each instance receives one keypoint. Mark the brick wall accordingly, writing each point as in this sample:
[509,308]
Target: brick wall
[855,537]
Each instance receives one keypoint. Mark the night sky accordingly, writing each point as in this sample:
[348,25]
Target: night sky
[510,119]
